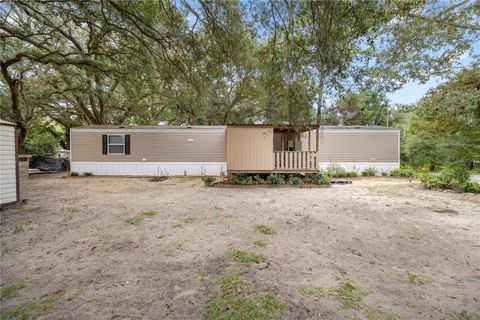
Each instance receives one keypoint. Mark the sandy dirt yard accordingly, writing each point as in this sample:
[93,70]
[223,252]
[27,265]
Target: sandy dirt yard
[380,248]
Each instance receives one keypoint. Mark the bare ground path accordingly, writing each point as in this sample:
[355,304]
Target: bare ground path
[415,252]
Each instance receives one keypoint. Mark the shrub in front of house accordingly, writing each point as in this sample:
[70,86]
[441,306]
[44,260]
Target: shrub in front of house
[258,180]
[403,171]
[74,174]
[295,180]
[335,171]
[369,172]
[243,180]
[318,178]
[88,174]
[208,180]
[275,178]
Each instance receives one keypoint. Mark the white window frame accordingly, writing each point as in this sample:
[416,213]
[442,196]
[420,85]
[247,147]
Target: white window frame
[115,144]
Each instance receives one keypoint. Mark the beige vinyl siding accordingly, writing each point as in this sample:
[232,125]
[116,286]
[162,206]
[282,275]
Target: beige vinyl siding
[154,145]
[249,148]
[8,174]
[356,145]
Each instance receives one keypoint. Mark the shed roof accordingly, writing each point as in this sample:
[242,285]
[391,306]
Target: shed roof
[6,123]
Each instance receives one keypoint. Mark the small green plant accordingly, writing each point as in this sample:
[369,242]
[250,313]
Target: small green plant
[208,180]
[260,243]
[318,178]
[32,310]
[246,257]
[11,290]
[429,181]
[243,180]
[235,300]
[413,278]
[18,229]
[188,219]
[295,180]
[275,178]
[138,218]
[264,229]
[369,172]
[258,180]
[74,174]
[384,173]
[471,186]
[88,174]
[403,171]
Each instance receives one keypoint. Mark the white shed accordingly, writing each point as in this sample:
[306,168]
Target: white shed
[9,185]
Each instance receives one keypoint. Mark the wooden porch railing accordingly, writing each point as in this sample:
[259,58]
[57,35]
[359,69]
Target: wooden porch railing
[294,160]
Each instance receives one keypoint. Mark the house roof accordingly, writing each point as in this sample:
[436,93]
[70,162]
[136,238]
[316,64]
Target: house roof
[147,127]
[279,127]
[358,127]
[6,123]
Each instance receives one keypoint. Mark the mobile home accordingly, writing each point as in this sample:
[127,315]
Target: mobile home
[216,150]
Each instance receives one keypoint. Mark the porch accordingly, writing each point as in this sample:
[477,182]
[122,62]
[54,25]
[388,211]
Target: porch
[271,149]
[294,161]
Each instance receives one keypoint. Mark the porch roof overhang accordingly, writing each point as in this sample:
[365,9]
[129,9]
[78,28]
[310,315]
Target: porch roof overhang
[279,128]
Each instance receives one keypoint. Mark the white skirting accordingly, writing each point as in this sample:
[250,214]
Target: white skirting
[360,166]
[150,168]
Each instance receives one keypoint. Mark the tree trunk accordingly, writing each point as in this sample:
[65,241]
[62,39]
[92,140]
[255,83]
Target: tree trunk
[13,85]
[321,84]
[478,102]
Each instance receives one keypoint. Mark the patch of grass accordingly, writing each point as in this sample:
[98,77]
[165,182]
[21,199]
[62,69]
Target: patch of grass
[32,310]
[246,257]
[18,229]
[464,315]
[313,291]
[376,314]
[260,243]
[188,219]
[11,290]
[413,278]
[349,295]
[236,300]
[138,218]
[264,229]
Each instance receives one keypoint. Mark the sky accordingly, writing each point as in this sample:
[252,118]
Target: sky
[413,91]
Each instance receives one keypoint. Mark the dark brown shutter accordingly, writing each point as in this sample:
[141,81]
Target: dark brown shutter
[104,144]
[127,144]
